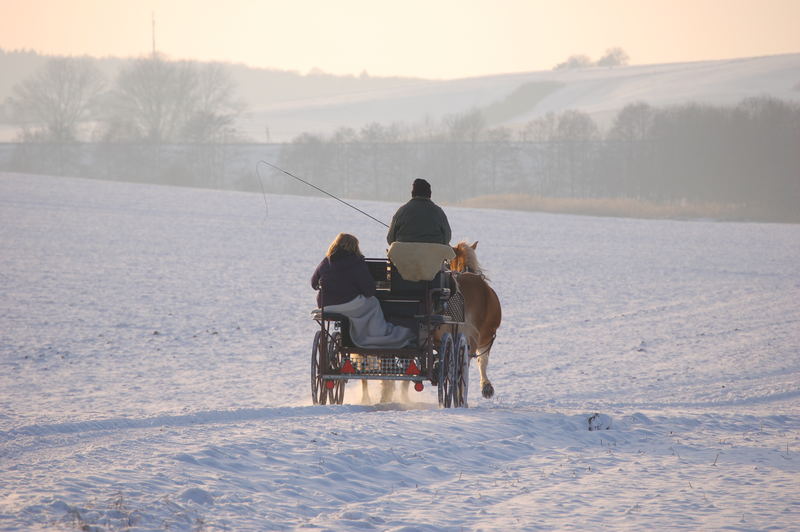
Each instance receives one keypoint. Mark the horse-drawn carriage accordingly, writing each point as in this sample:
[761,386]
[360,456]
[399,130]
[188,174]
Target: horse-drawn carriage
[441,355]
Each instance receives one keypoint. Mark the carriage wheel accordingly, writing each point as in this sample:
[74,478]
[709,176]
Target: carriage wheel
[461,367]
[455,372]
[336,394]
[445,371]
[319,394]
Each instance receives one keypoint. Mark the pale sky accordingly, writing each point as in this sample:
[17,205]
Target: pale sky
[440,39]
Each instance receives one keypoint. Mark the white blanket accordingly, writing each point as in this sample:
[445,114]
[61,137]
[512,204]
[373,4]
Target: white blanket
[419,261]
[368,328]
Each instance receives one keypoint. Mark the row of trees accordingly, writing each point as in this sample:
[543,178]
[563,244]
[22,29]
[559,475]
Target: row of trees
[747,154]
[174,122]
[613,57]
[151,99]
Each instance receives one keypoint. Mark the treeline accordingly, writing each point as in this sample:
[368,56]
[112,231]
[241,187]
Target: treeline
[110,77]
[613,57]
[151,99]
[746,155]
[174,122]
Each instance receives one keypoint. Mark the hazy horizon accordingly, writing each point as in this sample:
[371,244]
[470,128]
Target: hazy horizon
[443,40]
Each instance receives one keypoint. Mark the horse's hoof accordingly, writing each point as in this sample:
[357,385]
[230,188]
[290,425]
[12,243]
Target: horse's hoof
[487,390]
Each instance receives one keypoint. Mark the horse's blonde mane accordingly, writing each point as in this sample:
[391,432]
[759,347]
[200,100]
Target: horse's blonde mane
[467,258]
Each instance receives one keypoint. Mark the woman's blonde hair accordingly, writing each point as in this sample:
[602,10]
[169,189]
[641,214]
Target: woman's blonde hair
[345,242]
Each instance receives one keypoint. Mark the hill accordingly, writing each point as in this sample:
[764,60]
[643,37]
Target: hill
[286,104]
[513,99]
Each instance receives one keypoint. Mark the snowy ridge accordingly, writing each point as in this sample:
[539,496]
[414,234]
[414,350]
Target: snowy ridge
[155,346]
[599,91]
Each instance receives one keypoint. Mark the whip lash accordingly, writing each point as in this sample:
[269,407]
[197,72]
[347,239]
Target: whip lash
[314,187]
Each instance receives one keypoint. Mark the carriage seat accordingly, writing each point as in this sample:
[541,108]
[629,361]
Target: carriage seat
[419,261]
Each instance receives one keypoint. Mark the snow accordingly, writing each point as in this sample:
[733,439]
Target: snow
[155,349]
[600,91]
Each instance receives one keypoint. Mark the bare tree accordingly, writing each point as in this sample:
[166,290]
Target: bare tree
[467,126]
[156,98]
[5,110]
[614,57]
[629,135]
[576,132]
[345,159]
[502,160]
[574,62]
[633,122]
[536,136]
[308,155]
[382,158]
[576,125]
[215,107]
[58,98]
[462,153]
[542,129]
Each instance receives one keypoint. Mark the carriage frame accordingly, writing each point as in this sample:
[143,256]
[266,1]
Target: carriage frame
[441,356]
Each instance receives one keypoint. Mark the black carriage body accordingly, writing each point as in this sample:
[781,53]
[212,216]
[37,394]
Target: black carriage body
[419,305]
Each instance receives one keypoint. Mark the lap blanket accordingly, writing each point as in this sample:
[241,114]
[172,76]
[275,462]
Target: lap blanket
[368,327]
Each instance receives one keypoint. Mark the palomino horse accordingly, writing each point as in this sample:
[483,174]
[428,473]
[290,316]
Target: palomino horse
[481,308]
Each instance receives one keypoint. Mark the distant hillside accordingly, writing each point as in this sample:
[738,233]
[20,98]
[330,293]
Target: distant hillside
[514,99]
[259,88]
[284,104]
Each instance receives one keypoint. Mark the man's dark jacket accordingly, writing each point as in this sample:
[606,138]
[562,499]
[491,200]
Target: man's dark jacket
[341,277]
[419,220]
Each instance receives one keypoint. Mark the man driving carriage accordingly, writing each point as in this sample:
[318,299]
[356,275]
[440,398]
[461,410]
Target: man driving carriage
[419,219]
[419,236]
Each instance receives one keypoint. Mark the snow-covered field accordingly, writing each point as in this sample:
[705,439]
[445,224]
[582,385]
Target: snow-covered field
[155,347]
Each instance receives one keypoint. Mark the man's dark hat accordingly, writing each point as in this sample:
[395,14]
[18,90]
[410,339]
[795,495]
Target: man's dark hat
[421,188]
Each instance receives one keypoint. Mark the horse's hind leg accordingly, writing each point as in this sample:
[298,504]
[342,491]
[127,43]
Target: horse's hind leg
[387,391]
[487,390]
[404,391]
[389,387]
[363,362]
[365,398]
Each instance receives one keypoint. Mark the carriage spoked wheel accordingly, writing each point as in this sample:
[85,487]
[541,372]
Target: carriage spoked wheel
[325,356]
[319,394]
[336,394]
[446,355]
[460,365]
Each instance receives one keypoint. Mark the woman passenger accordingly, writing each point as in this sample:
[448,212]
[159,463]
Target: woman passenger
[346,287]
